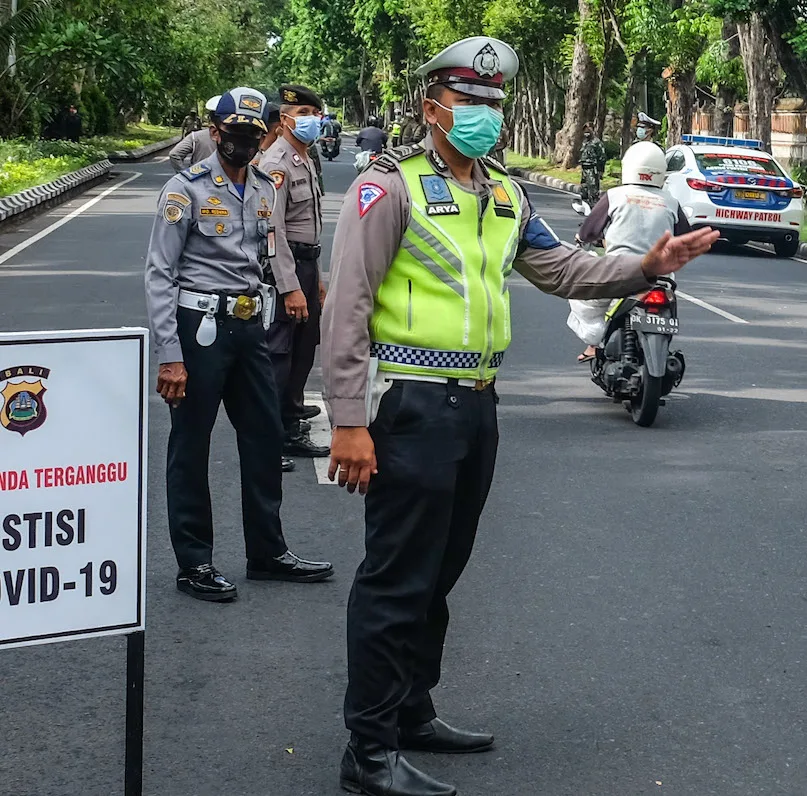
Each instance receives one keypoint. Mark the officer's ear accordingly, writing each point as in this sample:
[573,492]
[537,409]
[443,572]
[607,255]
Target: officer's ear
[215,134]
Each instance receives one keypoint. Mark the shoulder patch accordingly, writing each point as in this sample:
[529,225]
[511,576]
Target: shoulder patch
[180,198]
[494,164]
[195,171]
[405,152]
[172,213]
[369,194]
[277,177]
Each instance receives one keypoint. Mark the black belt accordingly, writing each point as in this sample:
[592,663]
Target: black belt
[305,251]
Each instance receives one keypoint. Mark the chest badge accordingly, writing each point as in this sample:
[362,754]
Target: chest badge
[213,200]
[264,211]
[503,204]
[220,229]
[440,200]
[296,159]
[218,179]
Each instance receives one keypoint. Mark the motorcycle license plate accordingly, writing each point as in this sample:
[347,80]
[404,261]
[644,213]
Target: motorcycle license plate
[654,324]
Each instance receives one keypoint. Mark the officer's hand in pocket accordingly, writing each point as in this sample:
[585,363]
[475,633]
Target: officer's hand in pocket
[296,305]
[353,455]
[171,381]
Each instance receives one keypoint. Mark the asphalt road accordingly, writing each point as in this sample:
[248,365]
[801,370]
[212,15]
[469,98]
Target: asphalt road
[632,621]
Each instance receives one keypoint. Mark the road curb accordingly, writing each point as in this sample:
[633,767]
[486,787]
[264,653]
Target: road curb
[54,192]
[143,151]
[543,179]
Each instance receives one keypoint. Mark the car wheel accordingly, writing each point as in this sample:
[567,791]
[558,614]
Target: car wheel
[785,247]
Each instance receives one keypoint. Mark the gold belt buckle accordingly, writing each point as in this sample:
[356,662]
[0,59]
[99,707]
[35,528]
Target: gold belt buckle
[482,384]
[244,307]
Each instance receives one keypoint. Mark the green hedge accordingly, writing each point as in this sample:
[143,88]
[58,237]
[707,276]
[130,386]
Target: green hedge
[24,164]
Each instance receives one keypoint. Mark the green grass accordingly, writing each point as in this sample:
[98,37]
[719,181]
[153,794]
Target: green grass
[24,164]
[134,137]
[611,178]
[803,236]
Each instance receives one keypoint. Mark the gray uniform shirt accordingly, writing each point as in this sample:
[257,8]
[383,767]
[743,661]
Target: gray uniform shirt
[205,238]
[298,213]
[197,146]
[366,244]
[632,218]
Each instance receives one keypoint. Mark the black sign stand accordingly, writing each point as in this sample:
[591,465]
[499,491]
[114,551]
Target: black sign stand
[135,668]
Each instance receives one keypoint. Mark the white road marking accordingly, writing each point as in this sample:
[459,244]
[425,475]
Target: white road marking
[160,159]
[62,221]
[320,435]
[710,307]
[768,251]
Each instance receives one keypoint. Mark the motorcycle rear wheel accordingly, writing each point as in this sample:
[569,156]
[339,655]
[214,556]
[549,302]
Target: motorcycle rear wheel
[644,407]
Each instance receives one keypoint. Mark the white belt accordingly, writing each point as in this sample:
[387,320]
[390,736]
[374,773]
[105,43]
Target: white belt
[432,379]
[209,302]
[243,307]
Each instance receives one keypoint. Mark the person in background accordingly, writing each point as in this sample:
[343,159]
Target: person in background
[191,123]
[499,150]
[72,124]
[396,128]
[372,138]
[592,164]
[199,144]
[647,129]
[272,119]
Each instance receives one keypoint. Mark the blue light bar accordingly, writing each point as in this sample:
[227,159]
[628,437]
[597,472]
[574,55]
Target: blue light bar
[714,140]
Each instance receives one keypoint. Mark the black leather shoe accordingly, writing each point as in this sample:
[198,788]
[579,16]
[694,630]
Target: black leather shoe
[373,770]
[289,567]
[309,411]
[298,443]
[287,465]
[205,582]
[437,736]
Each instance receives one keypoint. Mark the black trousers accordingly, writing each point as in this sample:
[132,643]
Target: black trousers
[237,370]
[436,451]
[293,345]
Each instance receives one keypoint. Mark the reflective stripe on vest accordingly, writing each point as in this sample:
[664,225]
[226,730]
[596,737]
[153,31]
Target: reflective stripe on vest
[444,308]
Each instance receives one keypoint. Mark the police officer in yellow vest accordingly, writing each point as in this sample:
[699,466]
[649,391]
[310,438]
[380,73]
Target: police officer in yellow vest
[416,324]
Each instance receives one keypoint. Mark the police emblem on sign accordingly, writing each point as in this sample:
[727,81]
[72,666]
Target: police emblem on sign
[23,408]
[486,63]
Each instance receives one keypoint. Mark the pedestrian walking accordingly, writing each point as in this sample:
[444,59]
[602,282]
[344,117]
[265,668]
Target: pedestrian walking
[295,332]
[199,144]
[209,305]
[416,325]
[592,164]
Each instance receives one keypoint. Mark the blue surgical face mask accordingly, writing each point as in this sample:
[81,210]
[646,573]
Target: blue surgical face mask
[476,128]
[641,133]
[306,128]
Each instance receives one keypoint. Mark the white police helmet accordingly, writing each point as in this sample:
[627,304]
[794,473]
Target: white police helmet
[212,103]
[644,164]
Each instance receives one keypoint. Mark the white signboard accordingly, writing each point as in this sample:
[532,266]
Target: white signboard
[73,422]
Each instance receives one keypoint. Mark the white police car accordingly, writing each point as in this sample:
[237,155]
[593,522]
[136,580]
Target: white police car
[731,185]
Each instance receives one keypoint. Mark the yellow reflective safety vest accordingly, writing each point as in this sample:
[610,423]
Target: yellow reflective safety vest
[443,308]
[396,128]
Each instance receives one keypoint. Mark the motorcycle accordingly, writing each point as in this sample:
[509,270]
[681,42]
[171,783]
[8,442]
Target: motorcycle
[633,364]
[329,147]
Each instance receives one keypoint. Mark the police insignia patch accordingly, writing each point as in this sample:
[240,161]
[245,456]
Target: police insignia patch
[486,63]
[297,159]
[435,189]
[211,200]
[290,96]
[23,407]
[369,194]
[278,178]
[179,197]
[172,213]
[220,229]
[250,103]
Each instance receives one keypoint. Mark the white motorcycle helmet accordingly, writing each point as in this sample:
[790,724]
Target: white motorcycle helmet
[644,164]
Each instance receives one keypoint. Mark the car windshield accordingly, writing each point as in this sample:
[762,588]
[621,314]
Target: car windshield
[730,163]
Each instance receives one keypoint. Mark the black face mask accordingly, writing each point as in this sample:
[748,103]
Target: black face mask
[237,150]
[586,135]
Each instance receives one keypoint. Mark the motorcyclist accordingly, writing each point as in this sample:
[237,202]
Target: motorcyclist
[629,219]
[330,135]
[371,141]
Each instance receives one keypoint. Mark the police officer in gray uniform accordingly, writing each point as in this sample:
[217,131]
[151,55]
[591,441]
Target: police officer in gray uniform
[209,305]
[294,335]
[199,144]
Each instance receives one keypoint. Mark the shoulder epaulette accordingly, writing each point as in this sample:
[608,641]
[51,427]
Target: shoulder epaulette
[263,175]
[383,163]
[405,152]
[195,171]
[494,164]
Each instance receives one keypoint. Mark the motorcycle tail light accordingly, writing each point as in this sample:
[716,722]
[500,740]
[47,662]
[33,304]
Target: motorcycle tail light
[656,298]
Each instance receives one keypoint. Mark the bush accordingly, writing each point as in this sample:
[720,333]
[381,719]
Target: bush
[613,168]
[798,171]
[100,115]
[612,150]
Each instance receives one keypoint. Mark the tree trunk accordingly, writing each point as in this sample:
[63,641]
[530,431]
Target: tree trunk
[626,137]
[581,96]
[362,90]
[727,96]
[680,98]
[762,74]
